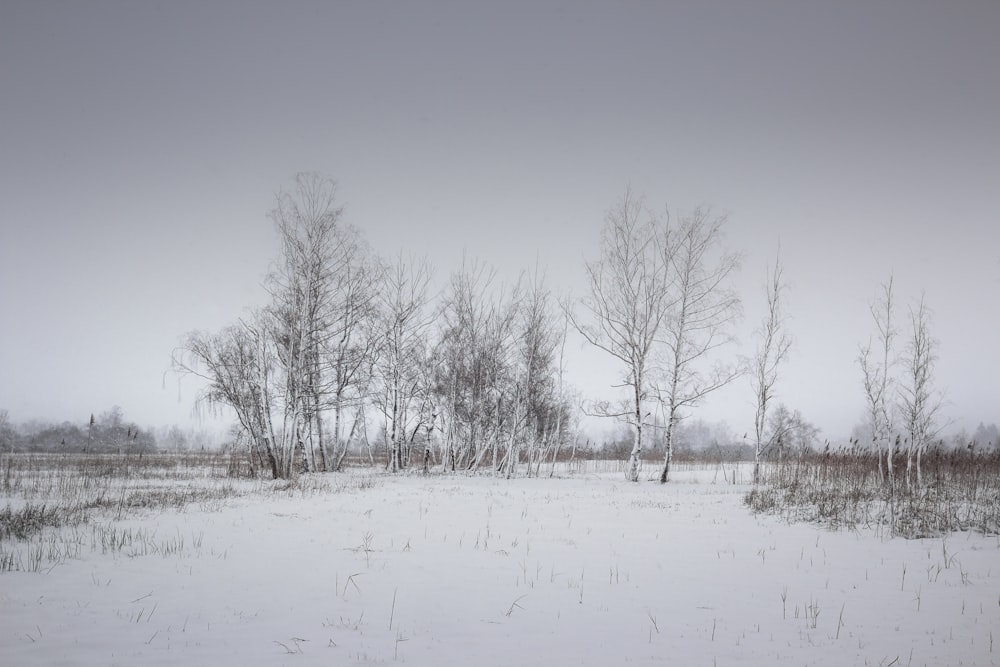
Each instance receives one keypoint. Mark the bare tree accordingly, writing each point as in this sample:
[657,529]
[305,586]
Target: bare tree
[6,432]
[625,306]
[878,378]
[324,291]
[702,307]
[986,437]
[274,369]
[562,400]
[790,432]
[773,345]
[919,404]
[349,340]
[238,367]
[404,324]
[309,229]
[536,412]
[475,366]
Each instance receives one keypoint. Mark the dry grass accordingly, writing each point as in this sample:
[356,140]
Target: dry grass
[959,492]
[59,491]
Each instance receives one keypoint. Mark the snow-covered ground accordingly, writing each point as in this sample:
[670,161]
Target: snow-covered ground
[453,570]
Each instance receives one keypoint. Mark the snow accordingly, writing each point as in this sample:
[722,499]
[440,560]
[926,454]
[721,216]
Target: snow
[470,570]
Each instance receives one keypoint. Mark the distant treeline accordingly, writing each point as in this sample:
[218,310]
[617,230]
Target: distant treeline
[107,432]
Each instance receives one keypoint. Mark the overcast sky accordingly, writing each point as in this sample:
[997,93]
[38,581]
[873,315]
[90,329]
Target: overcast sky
[142,143]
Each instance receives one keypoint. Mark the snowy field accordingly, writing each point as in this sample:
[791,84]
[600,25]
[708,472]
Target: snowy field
[585,569]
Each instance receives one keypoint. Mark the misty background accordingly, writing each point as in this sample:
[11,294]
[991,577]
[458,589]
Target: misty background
[142,144]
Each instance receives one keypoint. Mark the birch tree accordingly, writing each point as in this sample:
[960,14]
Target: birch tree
[773,345]
[461,371]
[273,368]
[562,400]
[474,370]
[324,290]
[919,404]
[238,368]
[701,309]
[625,306]
[308,224]
[404,324]
[537,411]
[349,342]
[877,360]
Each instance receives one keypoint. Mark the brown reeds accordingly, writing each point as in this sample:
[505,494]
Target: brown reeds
[959,491]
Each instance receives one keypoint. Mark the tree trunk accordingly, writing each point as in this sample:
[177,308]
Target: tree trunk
[909,464]
[889,454]
[317,415]
[555,455]
[920,478]
[668,446]
[431,435]
[272,460]
[633,463]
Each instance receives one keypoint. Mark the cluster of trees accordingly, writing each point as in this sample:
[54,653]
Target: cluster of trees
[660,302]
[984,437]
[351,342]
[903,407]
[902,411]
[109,432]
[355,352]
[789,434]
[693,439]
[473,376]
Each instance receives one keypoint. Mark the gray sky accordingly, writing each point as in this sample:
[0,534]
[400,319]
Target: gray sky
[141,144]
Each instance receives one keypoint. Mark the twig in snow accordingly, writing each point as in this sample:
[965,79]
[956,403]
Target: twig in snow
[515,604]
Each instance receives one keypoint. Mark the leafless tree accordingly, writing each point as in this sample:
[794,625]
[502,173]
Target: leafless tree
[537,410]
[349,341]
[282,368]
[790,432]
[238,366]
[919,403]
[475,368]
[625,306]
[302,287]
[404,320]
[6,432]
[773,345]
[986,437]
[701,309]
[324,290]
[561,391]
[459,373]
[879,382]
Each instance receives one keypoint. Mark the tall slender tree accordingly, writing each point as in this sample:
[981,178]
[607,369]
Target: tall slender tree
[405,320]
[272,368]
[625,306]
[702,307]
[536,404]
[919,403]
[773,345]
[475,369]
[348,341]
[302,288]
[877,369]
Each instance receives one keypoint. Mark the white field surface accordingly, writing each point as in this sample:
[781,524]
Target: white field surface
[586,569]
